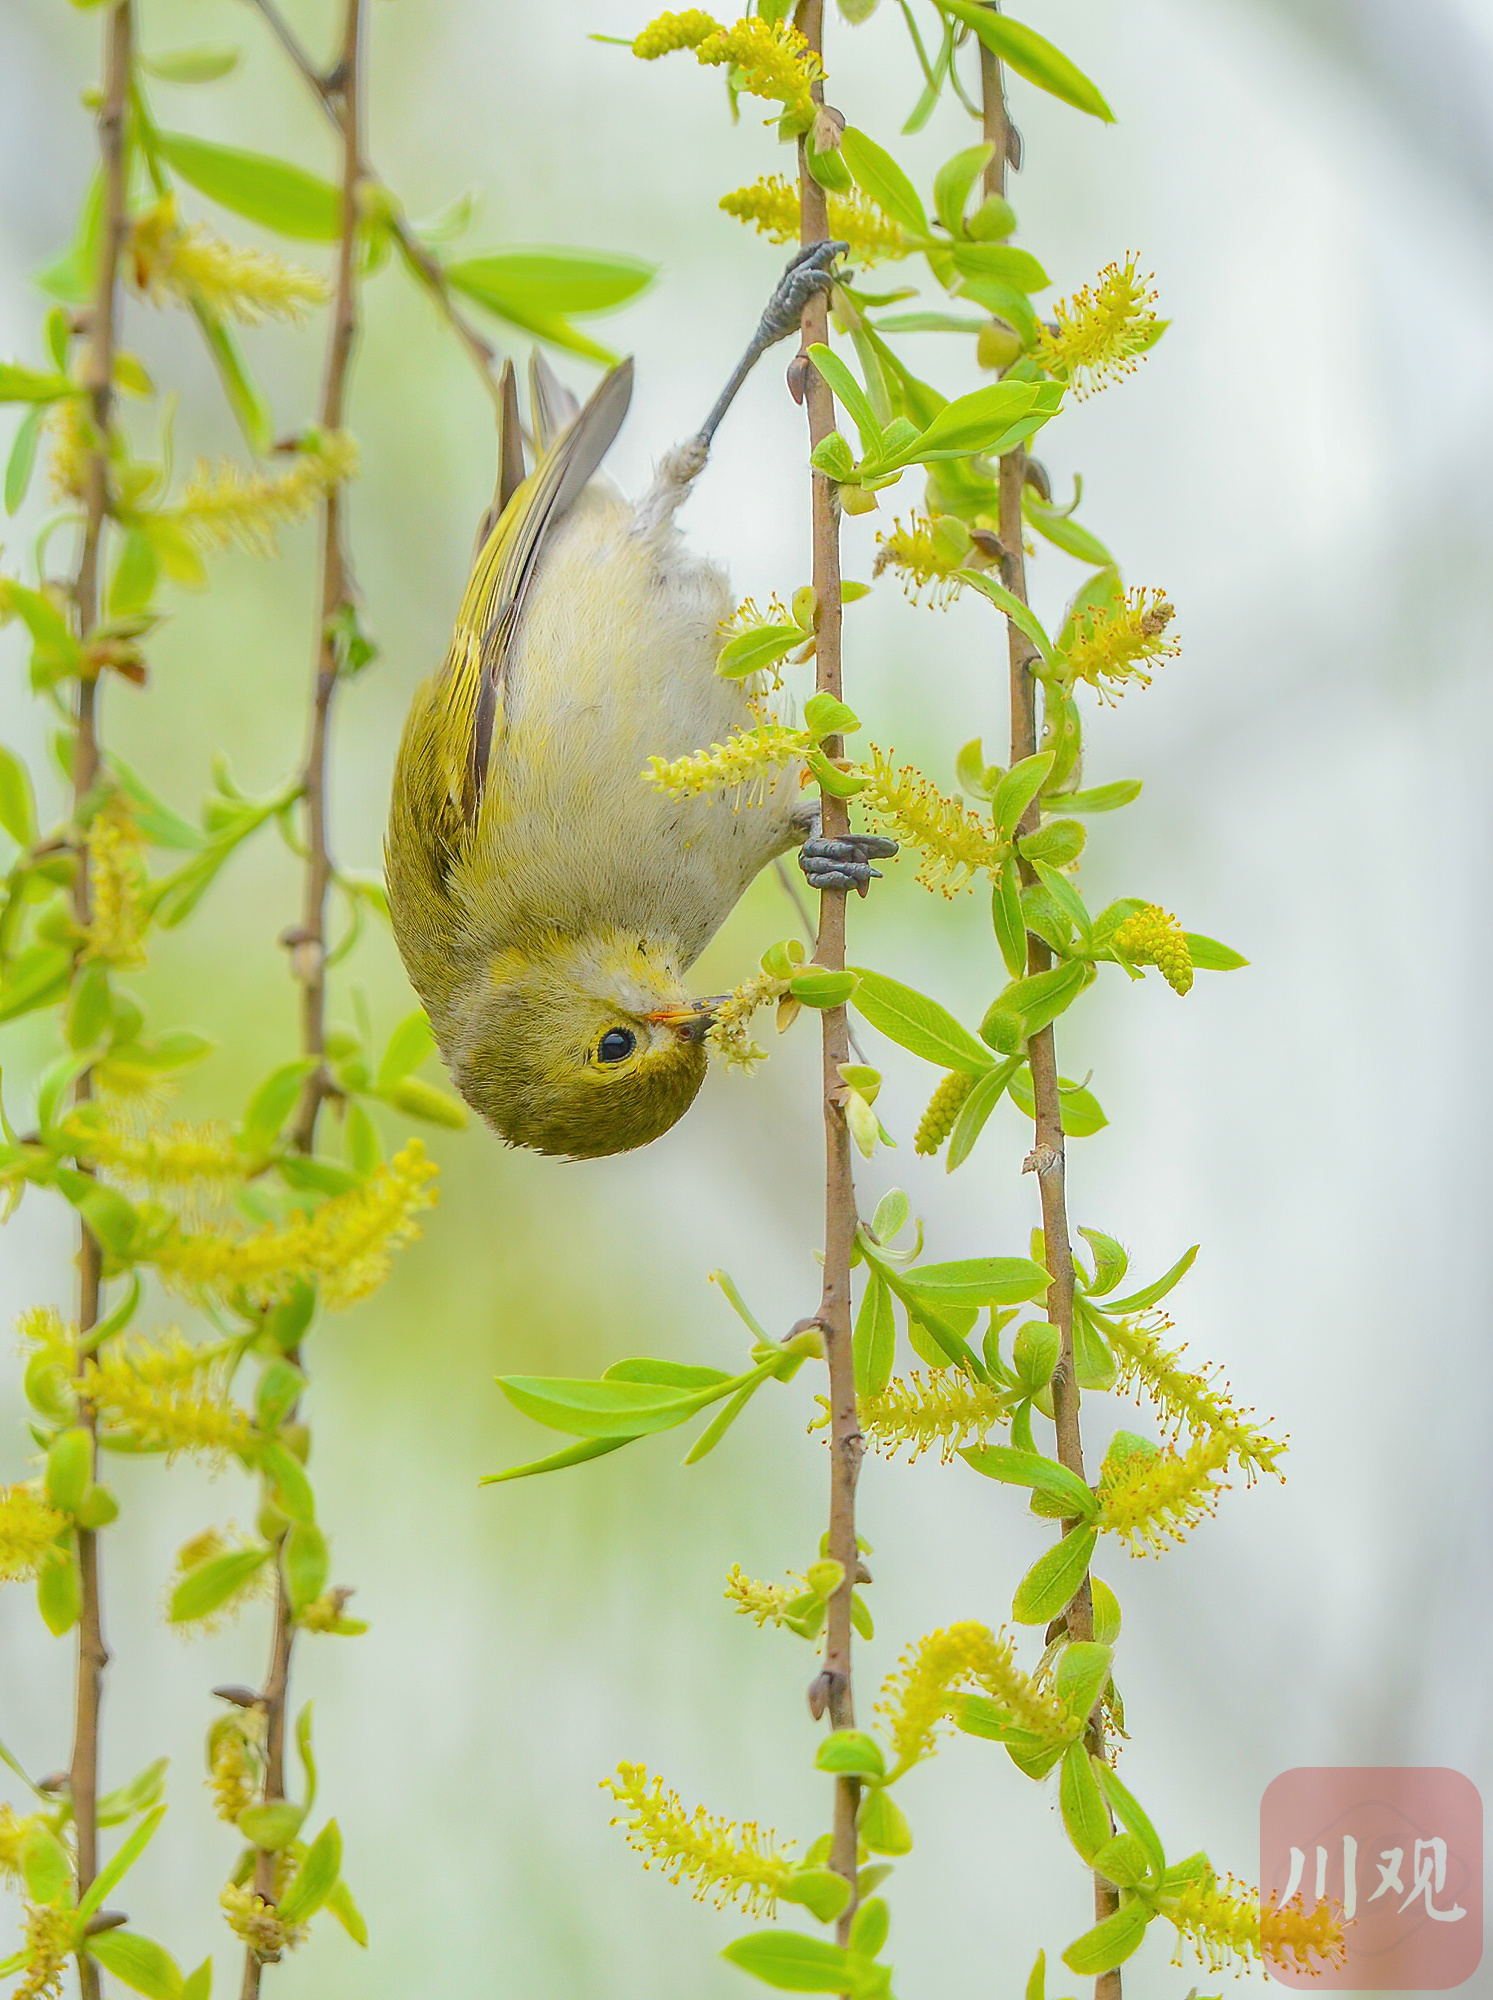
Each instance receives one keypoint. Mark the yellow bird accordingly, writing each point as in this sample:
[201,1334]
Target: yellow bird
[546,901]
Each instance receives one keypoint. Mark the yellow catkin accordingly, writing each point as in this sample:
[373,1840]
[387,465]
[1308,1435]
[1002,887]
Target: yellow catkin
[1293,1936]
[257,1924]
[1185,1398]
[1154,937]
[226,507]
[28,1528]
[51,1932]
[925,555]
[343,1247]
[762,1601]
[70,439]
[674,31]
[1225,1925]
[948,1409]
[915,1697]
[723,1860]
[1149,1497]
[1101,331]
[749,761]
[954,843]
[155,1157]
[767,59]
[191,263]
[116,887]
[944,1106]
[771,206]
[13,1832]
[1112,643]
[729,1034]
[233,1766]
[163,1394]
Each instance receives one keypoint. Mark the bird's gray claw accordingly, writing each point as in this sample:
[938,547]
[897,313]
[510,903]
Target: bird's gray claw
[808,274]
[844,863]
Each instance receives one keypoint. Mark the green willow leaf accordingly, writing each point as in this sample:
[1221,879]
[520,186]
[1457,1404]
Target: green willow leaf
[1021,615]
[1044,1475]
[139,1963]
[553,280]
[204,1589]
[1108,1944]
[1208,955]
[1002,262]
[792,1961]
[918,1023]
[1031,55]
[31,385]
[204,63]
[1085,1814]
[877,174]
[1150,1295]
[976,1110]
[1049,1585]
[273,193]
[574,1454]
[875,1338]
[316,1877]
[979,1281]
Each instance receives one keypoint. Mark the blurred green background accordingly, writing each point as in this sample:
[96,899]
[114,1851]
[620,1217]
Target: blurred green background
[1302,465]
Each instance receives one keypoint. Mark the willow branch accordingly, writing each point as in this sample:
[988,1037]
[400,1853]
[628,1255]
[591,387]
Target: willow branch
[833,1691]
[421,261]
[1047,1157]
[308,941]
[98,380]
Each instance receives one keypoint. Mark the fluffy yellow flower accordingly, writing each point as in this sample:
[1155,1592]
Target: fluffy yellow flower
[947,1409]
[954,843]
[116,887]
[1153,936]
[1102,330]
[28,1528]
[726,1861]
[762,1601]
[225,506]
[1149,1497]
[925,554]
[767,59]
[771,205]
[944,1106]
[163,1395]
[1111,645]
[751,759]
[673,31]
[1186,1398]
[343,1247]
[915,1698]
[190,262]
[51,1932]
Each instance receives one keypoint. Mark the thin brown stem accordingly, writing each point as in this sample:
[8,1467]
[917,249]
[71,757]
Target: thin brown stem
[98,380]
[833,1691]
[1047,1158]
[422,261]
[342,92]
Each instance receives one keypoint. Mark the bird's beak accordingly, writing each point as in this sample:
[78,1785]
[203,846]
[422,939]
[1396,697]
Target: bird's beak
[691,1022]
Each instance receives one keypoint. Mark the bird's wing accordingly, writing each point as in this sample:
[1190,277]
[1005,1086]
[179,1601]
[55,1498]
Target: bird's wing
[511,466]
[471,685]
[551,405]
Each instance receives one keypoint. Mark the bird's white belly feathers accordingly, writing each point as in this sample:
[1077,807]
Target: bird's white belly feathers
[615,663]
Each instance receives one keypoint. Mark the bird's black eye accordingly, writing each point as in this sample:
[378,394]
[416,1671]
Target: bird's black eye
[616,1045]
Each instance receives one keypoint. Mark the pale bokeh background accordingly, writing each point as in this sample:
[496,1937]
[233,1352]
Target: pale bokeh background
[1303,465]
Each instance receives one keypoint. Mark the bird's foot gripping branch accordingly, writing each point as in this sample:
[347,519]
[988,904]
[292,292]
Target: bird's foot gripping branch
[1006,1346]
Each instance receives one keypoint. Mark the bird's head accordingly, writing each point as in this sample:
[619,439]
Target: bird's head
[582,1047]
